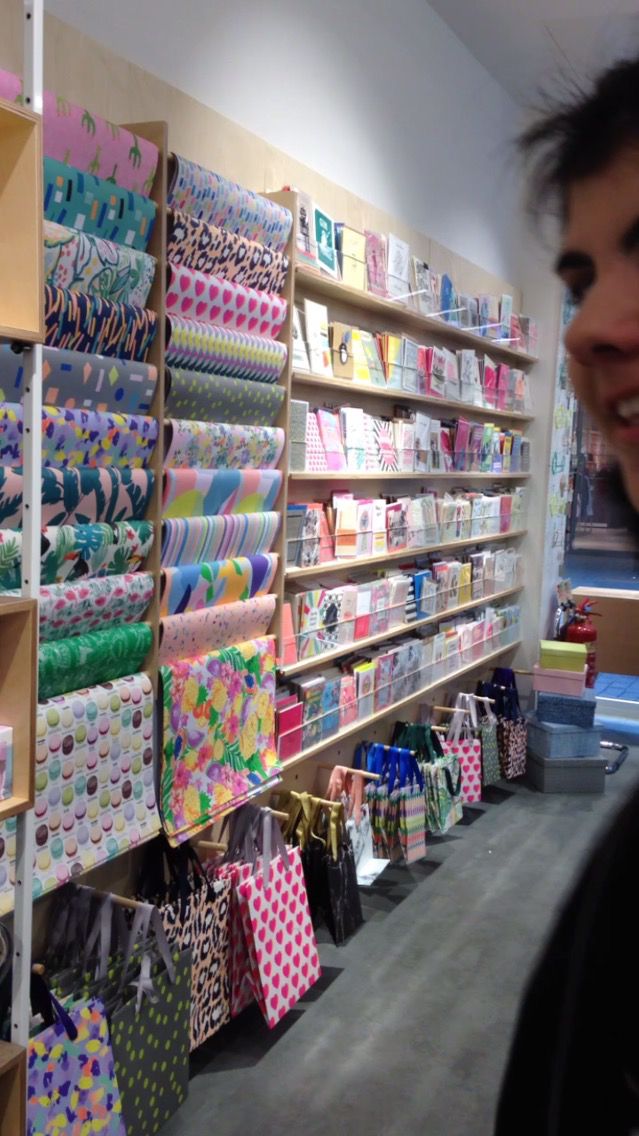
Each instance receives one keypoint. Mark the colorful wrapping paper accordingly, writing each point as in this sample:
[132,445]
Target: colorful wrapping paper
[96,206]
[219,743]
[85,605]
[80,438]
[189,587]
[195,244]
[94,789]
[193,540]
[209,492]
[96,656]
[79,496]
[220,445]
[220,202]
[85,263]
[89,323]
[72,552]
[204,347]
[223,302]
[198,396]
[72,135]
[73,379]
[212,628]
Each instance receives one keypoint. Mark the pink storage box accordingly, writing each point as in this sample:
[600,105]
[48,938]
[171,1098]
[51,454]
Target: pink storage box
[558,682]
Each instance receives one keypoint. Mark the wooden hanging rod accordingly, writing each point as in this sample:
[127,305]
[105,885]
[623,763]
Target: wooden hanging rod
[355,772]
[211,846]
[481,698]
[451,709]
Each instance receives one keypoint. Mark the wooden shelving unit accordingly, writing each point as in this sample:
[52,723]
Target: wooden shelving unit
[380,475]
[18,695]
[21,294]
[13,1089]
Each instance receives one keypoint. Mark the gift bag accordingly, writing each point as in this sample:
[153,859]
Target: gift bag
[462,741]
[328,860]
[412,808]
[491,771]
[512,734]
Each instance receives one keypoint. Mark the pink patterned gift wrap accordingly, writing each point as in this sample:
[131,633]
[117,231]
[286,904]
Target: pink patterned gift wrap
[198,296]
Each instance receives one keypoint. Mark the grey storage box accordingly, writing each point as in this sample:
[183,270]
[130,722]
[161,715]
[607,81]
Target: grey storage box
[552,739]
[568,710]
[566,774]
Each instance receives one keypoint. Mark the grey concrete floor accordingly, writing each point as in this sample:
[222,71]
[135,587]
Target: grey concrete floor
[409,1030]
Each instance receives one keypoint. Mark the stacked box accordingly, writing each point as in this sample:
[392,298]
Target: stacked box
[572,683]
[555,654]
[555,739]
[567,775]
[568,710]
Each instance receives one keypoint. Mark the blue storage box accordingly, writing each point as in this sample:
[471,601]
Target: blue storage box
[567,710]
[553,739]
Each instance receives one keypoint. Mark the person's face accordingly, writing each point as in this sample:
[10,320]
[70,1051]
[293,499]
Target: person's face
[600,265]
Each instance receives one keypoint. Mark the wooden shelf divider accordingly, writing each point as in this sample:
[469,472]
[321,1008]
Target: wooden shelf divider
[21,269]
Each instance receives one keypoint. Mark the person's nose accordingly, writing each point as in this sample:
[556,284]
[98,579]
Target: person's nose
[606,326]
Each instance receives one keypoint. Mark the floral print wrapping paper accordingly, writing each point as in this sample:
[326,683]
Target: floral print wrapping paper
[80,438]
[72,552]
[89,323]
[209,492]
[194,395]
[92,657]
[85,263]
[74,379]
[218,252]
[205,347]
[212,628]
[220,202]
[222,445]
[73,135]
[219,734]
[193,540]
[75,607]
[94,785]
[192,586]
[96,206]
[224,302]
[79,496]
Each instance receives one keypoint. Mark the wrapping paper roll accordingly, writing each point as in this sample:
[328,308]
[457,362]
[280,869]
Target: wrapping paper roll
[71,552]
[94,786]
[196,244]
[220,445]
[197,396]
[72,379]
[219,741]
[212,628]
[189,587]
[89,323]
[220,202]
[209,492]
[85,605]
[79,496]
[204,347]
[85,263]
[80,438]
[97,656]
[96,206]
[224,303]
[72,134]
[193,540]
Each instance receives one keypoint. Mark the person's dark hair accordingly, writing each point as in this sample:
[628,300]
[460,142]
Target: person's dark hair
[579,136]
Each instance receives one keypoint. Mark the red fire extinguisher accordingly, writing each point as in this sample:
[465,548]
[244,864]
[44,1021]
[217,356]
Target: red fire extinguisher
[581,629]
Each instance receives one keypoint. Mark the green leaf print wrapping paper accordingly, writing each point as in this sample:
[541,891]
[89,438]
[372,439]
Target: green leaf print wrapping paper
[96,657]
[86,263]
[72,552]
[220,398]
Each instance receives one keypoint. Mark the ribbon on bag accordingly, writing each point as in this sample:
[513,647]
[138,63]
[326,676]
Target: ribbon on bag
[218,252]
[80,438]
[73,379]
[225,303]
[98,207]
[83,262]
[220,445]
[89,323]
[214,628]
[92,657]
[194,540]
[195,395]
[219,350]
[85,605]
[80,496]
[213,492]
[189,587]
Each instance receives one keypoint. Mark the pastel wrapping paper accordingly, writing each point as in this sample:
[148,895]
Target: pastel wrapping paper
[85,605]
[86,263]
[192,586]
[75,379]
[219,742]
[89,323]
[212,628]
[94,786]
[192,540]
[204,347]
[218,201]
[224,302]
[221,445]
[71,134]
[218,252]
[96,206]
[197,396]
[79,496]
[96,656]
[209,492]
[80,438]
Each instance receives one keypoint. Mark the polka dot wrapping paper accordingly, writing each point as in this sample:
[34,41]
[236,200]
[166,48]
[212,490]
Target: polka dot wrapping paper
[89,382]
[193,633]
[197,396]
[94,790]
[224,302]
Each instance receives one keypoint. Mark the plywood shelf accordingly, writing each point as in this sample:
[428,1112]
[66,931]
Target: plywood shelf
[13,1089]
[21,247]
[322,383]
[381,475]
[312,281]
[18,677]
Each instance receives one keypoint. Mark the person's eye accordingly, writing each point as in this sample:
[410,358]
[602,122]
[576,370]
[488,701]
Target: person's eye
[577,285]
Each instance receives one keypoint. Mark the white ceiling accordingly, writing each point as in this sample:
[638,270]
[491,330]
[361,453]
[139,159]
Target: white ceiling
[528,44]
